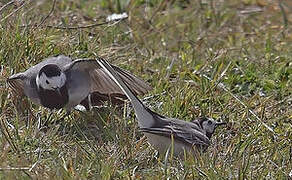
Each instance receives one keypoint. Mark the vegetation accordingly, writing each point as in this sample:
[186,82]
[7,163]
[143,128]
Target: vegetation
[230,60]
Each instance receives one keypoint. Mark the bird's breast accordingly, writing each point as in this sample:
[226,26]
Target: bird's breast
[53,99]
[78,87]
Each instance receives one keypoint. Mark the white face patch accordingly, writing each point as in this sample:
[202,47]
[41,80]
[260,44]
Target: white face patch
[209,125]
[50,83]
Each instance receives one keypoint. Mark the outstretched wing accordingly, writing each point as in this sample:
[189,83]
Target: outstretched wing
[101,81]
[103,86]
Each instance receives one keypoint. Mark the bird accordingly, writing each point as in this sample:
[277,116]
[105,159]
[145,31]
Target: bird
[60,82]
[162,132]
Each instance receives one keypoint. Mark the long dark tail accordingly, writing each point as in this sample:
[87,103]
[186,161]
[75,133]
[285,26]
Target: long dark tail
[145,118]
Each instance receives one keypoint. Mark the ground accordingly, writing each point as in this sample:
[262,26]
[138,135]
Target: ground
[230,60]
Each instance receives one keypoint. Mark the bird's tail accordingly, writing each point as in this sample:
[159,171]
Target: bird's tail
[144,116]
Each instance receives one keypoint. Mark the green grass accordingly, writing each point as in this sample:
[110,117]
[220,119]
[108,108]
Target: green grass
[175,46]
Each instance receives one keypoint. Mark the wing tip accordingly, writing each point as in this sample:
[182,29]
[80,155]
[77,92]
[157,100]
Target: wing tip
[15,83]
[15,77]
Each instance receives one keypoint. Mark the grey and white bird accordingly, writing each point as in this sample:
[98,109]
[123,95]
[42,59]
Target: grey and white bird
[162,131]
[59,82]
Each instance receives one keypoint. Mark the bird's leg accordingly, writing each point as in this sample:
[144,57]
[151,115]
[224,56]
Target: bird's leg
[89,102]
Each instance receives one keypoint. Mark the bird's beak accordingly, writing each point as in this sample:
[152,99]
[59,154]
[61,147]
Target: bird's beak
[220,123]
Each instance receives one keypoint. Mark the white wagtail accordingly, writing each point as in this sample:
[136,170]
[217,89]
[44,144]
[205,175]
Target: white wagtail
[58,82]
[163,131]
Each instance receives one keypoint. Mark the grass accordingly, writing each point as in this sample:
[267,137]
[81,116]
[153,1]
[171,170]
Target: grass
[215,58]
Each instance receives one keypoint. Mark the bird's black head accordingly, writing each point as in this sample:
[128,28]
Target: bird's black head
[50,70]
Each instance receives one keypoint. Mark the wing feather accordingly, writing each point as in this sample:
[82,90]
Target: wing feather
[16,83]
[191,135]
[102,83]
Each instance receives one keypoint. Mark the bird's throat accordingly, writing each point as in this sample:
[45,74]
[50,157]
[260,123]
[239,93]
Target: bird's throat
[53,99]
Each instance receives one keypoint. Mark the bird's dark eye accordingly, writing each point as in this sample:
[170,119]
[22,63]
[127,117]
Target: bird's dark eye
[209,122]
[47,82]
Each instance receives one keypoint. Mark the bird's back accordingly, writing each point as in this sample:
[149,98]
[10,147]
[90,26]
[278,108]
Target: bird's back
[60,61]
[187,131]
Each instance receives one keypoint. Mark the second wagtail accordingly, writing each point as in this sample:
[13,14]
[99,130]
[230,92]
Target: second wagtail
[162,131]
